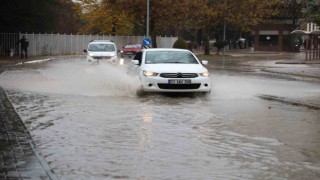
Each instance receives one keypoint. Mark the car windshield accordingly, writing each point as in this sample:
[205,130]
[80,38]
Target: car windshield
[160,57]
[101,47]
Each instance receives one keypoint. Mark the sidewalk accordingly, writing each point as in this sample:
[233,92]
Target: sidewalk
[290,63]
[18,156]
[295,64]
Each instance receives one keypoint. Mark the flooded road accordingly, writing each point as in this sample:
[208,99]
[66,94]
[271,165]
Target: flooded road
[88,123]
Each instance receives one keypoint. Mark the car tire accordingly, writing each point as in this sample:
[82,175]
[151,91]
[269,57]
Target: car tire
[140,92]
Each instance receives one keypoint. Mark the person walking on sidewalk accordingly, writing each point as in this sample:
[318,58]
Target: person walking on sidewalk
[24,43]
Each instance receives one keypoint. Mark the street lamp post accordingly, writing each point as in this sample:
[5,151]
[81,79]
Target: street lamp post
[224,27]
[224,35]
[148,6]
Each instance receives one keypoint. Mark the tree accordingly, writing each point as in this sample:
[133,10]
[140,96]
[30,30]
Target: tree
[180,43]
[290,9]
[26,16]
[66,19]
[312,12]
[105,17]
[37,16]
[167,17]
[241,15]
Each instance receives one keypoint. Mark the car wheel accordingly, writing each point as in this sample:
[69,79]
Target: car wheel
[140,92]
[205,93]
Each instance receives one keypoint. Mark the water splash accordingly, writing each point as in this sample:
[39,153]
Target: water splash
[75,77]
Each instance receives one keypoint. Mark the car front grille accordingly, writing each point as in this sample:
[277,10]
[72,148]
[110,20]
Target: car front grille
[101,57]
[129,52]
[179,86]
[179,75]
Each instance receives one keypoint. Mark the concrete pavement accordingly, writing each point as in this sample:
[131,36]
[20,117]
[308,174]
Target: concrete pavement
[279,62]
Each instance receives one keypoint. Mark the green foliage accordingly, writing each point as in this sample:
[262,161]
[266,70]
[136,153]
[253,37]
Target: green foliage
[180,43]
[312,12]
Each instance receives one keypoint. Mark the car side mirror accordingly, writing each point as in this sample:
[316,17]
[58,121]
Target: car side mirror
[135,62]
[204,62]
[85,51]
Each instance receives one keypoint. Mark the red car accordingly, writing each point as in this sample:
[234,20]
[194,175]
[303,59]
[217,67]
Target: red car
[130,50]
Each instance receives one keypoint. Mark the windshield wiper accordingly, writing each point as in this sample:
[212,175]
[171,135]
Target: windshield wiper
[175,62]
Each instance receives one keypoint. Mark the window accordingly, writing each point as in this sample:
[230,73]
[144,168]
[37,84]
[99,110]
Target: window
[102,47]
[159,57]
[268,40]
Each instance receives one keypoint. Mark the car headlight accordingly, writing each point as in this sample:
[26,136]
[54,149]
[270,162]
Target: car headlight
[150,73]
[205,74]
[90,54]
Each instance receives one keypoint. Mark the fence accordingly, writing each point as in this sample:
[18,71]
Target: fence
[58,44]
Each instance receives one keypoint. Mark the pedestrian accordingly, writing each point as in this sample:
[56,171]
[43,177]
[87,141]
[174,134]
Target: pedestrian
[24,43]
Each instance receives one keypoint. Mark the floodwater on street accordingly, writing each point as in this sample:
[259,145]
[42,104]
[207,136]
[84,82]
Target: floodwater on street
[88,123]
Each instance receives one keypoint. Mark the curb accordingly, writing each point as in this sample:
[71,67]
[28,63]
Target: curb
[291,102]
[291,73]
[298,62]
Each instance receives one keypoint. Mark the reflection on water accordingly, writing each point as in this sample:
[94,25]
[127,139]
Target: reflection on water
[88,124]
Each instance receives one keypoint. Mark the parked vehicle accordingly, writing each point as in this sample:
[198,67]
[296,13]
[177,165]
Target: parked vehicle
[170,70]
[101,50]
[130,50]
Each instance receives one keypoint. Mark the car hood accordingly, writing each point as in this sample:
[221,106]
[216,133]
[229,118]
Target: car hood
[174,68]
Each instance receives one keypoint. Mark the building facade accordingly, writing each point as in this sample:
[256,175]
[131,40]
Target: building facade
[274,37]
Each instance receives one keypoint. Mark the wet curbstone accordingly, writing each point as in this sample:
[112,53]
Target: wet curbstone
[302,72]
[289,101]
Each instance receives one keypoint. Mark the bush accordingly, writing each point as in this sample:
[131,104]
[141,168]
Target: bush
[180,43]
[192,45]
[220,44]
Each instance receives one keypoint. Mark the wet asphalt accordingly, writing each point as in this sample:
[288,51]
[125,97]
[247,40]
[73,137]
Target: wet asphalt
[18,151]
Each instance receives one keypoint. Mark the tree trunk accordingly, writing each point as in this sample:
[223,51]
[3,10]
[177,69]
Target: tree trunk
[153,34]
[206,42]
[154,40]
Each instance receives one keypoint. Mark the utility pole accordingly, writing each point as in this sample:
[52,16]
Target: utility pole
[224,27]
[148,9]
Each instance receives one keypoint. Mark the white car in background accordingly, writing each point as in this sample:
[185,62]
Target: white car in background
[170,70]
[101,50]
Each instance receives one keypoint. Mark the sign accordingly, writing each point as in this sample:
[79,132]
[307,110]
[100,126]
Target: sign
[147,43]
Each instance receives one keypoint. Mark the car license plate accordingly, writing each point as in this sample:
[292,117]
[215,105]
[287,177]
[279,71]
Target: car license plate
[179,81]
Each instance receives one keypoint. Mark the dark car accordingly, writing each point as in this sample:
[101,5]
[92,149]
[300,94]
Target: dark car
[130,50]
